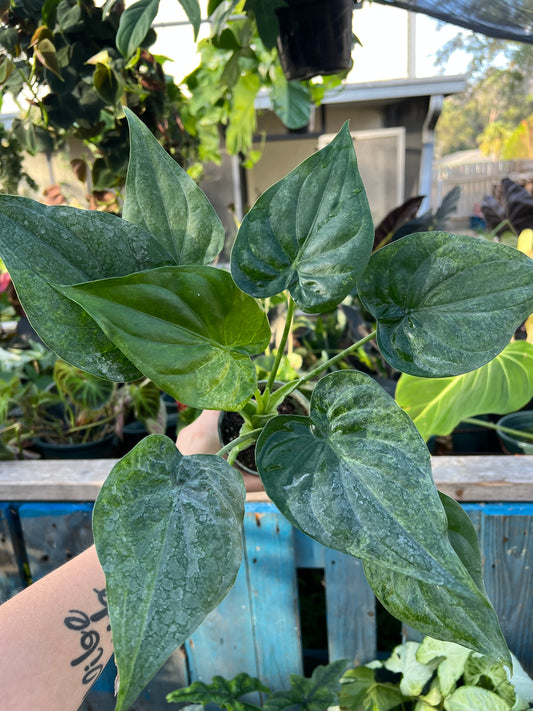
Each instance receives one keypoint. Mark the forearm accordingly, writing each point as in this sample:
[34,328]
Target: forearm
[55,638]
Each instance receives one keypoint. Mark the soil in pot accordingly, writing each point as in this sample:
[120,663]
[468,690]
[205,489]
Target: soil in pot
[231,423]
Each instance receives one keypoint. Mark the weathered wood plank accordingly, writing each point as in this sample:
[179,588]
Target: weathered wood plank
[351,610]
[269,553]
[467,478]
[485,478]
[10,578]
[53,480]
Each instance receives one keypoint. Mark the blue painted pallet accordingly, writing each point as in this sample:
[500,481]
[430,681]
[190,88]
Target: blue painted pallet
[257,627]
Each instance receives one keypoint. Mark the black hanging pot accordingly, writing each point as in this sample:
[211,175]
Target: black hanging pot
[315,37]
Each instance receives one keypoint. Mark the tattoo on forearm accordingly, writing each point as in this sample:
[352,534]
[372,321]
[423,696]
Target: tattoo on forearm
[89,638]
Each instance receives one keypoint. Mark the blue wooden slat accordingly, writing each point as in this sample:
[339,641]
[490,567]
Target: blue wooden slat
[507,547]
[224,644]
[351,610]
[54,533]
[269,553]
[307,552]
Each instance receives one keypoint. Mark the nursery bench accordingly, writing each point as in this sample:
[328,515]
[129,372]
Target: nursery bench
[45,519]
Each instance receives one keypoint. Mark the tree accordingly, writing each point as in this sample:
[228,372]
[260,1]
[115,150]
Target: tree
[492,106]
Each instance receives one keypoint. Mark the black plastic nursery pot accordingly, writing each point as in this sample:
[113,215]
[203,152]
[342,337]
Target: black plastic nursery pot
[315,37]
[99,449]
[523,421]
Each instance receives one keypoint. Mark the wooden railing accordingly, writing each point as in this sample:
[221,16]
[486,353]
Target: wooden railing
[45,519]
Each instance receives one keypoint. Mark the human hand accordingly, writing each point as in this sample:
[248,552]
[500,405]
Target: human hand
[201,436]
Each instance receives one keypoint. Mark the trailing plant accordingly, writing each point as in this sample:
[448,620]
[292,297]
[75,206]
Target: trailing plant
[238,59]
[136,295]
[61,65]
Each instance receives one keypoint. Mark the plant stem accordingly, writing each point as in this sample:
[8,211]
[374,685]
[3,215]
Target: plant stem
[491,426]
[340,356]
[249,436]
[282,344]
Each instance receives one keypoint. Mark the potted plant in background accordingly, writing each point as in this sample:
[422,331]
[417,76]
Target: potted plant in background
[314,38]
[137,295]
[417,676]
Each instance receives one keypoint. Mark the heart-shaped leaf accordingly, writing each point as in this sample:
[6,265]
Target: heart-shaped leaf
[163,199]
[201,326]
[168,534]
[356,476]
[135,22]
[437,405]
[41,245]
[438,313]
[444,612]
[310,233]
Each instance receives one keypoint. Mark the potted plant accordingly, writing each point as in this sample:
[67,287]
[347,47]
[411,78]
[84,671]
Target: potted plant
[417,676]
[314,37]
[515,432]
[136,295]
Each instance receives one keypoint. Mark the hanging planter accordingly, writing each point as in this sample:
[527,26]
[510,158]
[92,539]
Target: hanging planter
[315,37]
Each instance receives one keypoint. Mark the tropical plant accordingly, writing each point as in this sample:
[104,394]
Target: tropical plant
[44,398]
[136,295]
[317,693]
[435,675]
[61,65]
[417,676]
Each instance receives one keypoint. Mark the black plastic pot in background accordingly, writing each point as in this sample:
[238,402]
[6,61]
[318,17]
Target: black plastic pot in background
[99,449]
[315,37]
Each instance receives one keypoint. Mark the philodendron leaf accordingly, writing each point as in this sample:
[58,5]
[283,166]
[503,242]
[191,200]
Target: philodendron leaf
[356,476]
[163,199]
[168,535]
[465,616]
[202,329]
[503,385]
[310,233]
[446,304]
[41,245]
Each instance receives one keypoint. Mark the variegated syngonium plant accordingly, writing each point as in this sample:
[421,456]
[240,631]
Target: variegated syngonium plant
[125,297]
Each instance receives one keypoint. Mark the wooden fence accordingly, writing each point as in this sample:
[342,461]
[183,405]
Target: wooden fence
[45,519]
[476,180]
